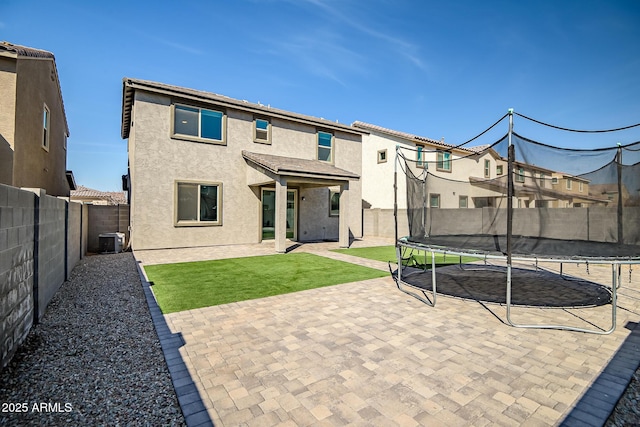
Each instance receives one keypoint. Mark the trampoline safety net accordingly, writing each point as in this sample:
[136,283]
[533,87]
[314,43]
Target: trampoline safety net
[553,202]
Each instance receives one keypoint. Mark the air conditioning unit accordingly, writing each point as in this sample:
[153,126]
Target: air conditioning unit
[111,243]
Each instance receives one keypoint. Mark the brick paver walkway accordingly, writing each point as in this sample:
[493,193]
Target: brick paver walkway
[366,354]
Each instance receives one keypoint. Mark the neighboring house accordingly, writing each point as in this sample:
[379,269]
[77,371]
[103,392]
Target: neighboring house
[461,177]
[205,169]
[33,124]
[96,197]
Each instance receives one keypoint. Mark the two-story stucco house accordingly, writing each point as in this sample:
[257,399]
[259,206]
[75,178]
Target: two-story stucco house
[206,169]
[33,124]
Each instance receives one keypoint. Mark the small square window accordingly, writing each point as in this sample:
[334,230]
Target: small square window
[554,180]
[463,202]
[382,156]
[262,131]
[499,170]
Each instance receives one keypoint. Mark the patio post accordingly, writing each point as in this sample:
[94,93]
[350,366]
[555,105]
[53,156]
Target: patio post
[343,233]
[281,215]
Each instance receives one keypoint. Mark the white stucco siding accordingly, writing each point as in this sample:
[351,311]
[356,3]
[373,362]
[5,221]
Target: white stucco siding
[378,178]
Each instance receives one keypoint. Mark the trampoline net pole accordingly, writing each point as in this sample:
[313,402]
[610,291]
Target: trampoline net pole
[510,192]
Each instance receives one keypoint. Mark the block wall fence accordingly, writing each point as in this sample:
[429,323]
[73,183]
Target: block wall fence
[42,238]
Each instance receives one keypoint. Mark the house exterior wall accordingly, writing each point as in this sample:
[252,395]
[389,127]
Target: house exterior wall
[7,118]
[26,85]
[158,161]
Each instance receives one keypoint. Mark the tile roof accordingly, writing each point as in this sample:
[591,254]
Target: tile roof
[30,52]
[25,51]
[130,85]
[291,166]
[111,197]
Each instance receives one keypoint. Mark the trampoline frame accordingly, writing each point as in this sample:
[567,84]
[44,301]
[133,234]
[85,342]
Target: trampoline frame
[508,257]
[615,263]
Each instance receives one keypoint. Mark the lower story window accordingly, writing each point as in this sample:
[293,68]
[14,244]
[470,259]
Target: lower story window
[199,203]
[334,203]
[434,201]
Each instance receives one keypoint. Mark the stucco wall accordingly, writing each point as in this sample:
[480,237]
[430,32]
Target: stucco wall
[34,166]
[158,161]
[7,118]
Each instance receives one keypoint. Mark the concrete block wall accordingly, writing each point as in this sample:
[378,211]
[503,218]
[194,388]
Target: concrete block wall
[41,240]
[17,268]
[51,256]
[106,219]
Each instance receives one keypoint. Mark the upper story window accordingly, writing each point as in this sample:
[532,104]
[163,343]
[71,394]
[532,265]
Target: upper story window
[487,169]
[520,175]
[198,124]
[198,203]
[443,161]
[325,147]
[46,127]
[262,131]
[499,170]
[420,162]
[569,184]
[382,156]
[580,186]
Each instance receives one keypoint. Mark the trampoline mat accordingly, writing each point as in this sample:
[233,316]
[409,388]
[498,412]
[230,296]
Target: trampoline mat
[523,246]
[484,283]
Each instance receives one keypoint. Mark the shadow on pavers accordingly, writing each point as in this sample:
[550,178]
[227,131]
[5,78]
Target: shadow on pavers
[193,409]
[598,402]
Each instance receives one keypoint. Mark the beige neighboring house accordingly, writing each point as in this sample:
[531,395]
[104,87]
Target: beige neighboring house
[33,124]
[96,197]
[473,177]
[206,169]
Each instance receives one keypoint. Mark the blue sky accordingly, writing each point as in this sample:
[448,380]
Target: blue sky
[433,68]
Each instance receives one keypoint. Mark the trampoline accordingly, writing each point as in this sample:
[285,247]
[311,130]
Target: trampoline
[518,201]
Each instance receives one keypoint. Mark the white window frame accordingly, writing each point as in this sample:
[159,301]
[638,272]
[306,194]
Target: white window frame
[580,186]
[257,137]
[442,164]
[420,161]
[434,196]
[520,177]
[499,169]
[46,128]
[487,168]
[382,156]
[199,138]
[330,148]
[198,223]
[568,184]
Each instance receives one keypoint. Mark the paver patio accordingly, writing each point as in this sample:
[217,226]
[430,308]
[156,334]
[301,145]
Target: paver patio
[367,354]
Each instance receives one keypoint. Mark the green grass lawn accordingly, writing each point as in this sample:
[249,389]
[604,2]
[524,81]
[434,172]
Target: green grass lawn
[185,286]
[388,253]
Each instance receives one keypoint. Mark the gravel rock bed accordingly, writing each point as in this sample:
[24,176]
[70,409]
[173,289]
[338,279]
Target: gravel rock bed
[95,358]
[627,411]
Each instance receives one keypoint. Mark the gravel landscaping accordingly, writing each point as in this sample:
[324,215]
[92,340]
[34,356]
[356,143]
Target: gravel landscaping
[95,358]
